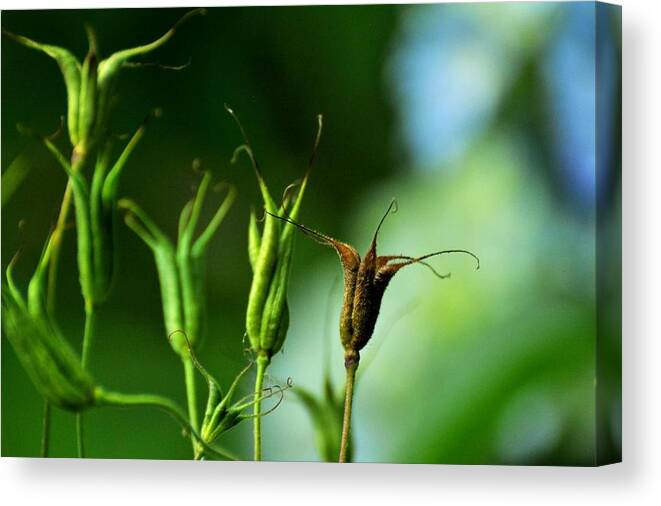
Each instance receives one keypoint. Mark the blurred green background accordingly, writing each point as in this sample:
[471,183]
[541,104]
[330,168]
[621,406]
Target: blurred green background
[483,120]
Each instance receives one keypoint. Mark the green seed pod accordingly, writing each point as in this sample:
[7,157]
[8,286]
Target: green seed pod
[223,412]
[181,268]
[90,86]
[263,272]
[46,356]
[270,253]
[52,365]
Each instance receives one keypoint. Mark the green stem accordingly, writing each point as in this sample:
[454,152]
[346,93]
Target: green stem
[90,317]
[191,397]
[45,430]
[80,441]
[351,367]
[58,233]
[77,163]
[108,398]
[262,364]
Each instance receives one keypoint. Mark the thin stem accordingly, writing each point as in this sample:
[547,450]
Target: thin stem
[262,364]
[80,440]
[108,398]
[77,163]
[45,430]
[191,397]
[56,243]
[90,317]
[351,368]
[90,320]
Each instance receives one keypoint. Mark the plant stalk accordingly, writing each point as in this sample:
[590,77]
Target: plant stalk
[191,398]
[351,367]
[262,364]
[90,320]
[45,430]
[58,233]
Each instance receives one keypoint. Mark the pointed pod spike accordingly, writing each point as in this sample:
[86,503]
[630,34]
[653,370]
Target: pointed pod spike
[184,216]
[227,398]
[142,224]
[392,208]
[205,237]
[37,288]
[70,68]
[111,65]
[188,230]
[9,276]
[91,39]
[111,183]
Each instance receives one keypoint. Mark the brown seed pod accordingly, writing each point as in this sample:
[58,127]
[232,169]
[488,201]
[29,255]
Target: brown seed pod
[365,282]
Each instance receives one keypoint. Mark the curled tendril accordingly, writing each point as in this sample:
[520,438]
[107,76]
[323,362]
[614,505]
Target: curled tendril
[267,393]
[201,369]
[383,260]
[246,147]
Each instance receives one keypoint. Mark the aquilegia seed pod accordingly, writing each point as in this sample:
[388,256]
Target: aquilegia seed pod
[365,282]
[181,268]
[46,356]
[90,85]
[270,253]
[95,204]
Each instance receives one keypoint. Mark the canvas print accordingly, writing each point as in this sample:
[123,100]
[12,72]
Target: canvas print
[360,233]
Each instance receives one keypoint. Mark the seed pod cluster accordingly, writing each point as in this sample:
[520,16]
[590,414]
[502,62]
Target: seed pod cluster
[181,267]
[46,356]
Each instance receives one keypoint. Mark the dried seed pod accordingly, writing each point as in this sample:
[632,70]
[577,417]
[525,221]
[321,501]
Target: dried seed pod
[365,282]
